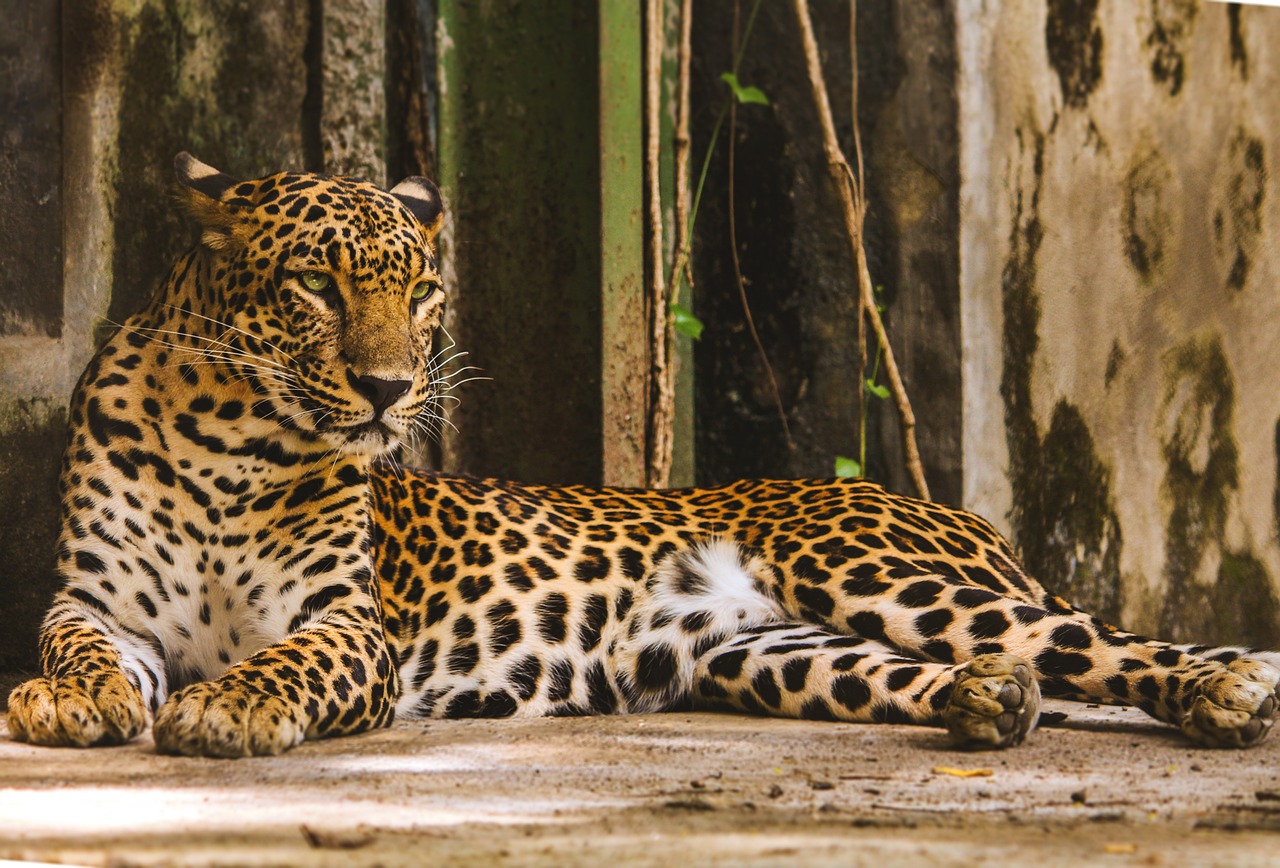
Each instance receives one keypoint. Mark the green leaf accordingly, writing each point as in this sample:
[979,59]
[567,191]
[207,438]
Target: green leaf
[685,322]
[848,468]
[878,390]
[744,94]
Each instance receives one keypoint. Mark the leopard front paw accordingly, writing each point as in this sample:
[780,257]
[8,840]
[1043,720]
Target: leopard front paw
[227,719]
[994,703]
[77,711]
[1235,707]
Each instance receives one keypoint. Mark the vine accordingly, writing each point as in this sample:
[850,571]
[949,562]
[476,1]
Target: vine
[668,315]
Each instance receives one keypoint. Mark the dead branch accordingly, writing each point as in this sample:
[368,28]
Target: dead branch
[661,398]
[682,141]
[860,205]
[852,204]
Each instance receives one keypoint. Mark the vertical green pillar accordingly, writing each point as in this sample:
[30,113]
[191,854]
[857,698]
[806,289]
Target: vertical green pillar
[624,347]
[542,169]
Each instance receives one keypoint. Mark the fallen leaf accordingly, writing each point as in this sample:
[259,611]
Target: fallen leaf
[962,773]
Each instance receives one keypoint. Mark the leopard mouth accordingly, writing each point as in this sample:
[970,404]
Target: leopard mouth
[373,438]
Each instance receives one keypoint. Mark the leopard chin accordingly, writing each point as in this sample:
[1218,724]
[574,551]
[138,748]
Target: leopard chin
[372,439]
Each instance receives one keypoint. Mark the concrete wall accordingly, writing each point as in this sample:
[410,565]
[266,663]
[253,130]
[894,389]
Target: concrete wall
[85,205]
[1078,193]
[1120,314]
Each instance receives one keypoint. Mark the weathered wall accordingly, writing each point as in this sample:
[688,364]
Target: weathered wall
[245,86]
[1119,269]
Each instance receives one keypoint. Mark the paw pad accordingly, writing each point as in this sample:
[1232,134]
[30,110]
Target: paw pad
[994,703]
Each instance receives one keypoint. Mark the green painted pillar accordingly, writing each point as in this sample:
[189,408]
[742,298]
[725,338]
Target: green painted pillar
[542,169]
[624,347]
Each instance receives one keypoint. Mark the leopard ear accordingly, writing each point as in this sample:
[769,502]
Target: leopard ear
[201,192]
[201,177]
[422,198]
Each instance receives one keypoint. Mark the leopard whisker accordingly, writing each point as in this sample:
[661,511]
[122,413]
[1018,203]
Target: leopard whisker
[235,328]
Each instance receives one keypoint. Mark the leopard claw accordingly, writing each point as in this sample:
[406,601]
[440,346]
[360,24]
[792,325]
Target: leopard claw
[1236,707]
[77,711]
[227,719]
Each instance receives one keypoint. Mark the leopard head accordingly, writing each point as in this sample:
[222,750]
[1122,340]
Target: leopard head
[323,293]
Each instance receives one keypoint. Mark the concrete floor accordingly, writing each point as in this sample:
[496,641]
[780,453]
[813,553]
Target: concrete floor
[1104,786]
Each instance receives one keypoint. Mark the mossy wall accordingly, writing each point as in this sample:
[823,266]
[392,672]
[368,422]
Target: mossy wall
[1073,214]
[1118,288]
[248,87]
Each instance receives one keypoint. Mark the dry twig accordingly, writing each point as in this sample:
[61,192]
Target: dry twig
[661,395]
[860,201]
[853,206]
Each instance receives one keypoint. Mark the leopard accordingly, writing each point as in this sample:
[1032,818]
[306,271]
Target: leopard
[245,563]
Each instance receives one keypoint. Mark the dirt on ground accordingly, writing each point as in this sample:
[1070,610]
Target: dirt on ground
[1104,786]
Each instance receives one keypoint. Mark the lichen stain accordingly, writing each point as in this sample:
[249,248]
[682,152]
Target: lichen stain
[1235,28]
[1073,40]
[1148,220]
[1172,22]
[1063,517]
[1115,361]
[1236,601]
[1237,220]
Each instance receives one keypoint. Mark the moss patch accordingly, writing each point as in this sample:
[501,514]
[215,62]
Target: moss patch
[225,81]
[1115,361]
[1237,602]
[1239,56]
[1172,22]
[1237,223]
[1147,217]
[1073,40]
[1063,518]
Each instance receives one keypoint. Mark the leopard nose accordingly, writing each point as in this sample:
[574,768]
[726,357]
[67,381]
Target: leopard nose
[381,393]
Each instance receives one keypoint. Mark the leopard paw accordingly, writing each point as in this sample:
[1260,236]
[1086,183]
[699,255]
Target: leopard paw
[77,711]
[227,719]
[995,702]
[1235,707]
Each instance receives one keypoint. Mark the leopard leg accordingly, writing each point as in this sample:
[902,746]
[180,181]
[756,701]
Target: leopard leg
[97,685]
[288,692]
[1217,705]
[703,627]
[791,670]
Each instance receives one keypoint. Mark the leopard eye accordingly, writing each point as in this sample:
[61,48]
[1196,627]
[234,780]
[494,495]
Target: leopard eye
[424,290]
[316,281]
